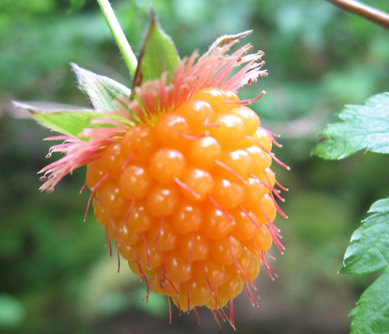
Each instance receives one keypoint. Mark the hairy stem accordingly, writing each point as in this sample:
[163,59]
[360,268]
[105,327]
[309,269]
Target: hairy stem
[120,38]
[375,15]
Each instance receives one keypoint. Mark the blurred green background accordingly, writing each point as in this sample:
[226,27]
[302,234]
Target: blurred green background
[56,275]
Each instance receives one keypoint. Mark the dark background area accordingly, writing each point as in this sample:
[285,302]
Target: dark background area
[56,275]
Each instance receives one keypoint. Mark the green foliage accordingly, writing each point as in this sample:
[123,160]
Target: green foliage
[318,58]
[369,252]
[372,312]
[369,249]
[363,127]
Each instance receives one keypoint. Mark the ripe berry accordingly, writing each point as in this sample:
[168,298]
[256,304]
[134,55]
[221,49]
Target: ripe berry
[188,198]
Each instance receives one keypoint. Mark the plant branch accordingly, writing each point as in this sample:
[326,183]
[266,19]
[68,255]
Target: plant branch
[375,15]
[118,35]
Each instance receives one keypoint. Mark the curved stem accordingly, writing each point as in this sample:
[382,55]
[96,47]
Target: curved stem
[375,15]
[120,38]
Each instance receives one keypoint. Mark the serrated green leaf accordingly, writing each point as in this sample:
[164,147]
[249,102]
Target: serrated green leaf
[68,122]
[100,90]
[158,55]
[381,205]
[371,315]
[363,128]
[369,248]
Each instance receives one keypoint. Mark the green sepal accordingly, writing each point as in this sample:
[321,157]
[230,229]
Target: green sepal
[364,127]
[101,91]
[67,122]
[158,55]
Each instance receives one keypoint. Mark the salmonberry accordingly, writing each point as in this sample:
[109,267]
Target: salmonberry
[180,178]
[190,205]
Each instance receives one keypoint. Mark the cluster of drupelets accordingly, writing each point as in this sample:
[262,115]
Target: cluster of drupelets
[189,199]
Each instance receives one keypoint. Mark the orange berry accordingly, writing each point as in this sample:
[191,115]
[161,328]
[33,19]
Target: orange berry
[216,224]
[196,113]
[138,218]
[204,151]
[227,193]
[260,158]
[113,159]
[137,268]
[266,209]
[239,163]
[248,265]
[111,200]
[127,237]
[163,286]
[199,182]
[187,197]
[135,181]
[187,217]
[169,129]
[262,240]
[166,164]
[162,200]
[246,225]
[224,250]
[95,173]
[162,237]
[128,253]
[194,247]
[254,190]
[211,272]
[199,293]
[249,117]
[230,131]
[268,178]
[149,257]
[101,215]
[177,268]
[139,143]
[231,288]
[262,137]
[217,303]
[217,98]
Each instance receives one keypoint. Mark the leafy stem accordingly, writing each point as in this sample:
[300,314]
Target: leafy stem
[120,38]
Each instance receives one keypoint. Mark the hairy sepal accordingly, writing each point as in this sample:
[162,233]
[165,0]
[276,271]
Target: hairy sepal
[100,90]
[67,122]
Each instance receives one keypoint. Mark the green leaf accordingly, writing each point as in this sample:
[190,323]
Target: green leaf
[158,55]
[68,122]
[381,206]
[363,128]
[371,315]
[100,90]
[369,248]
